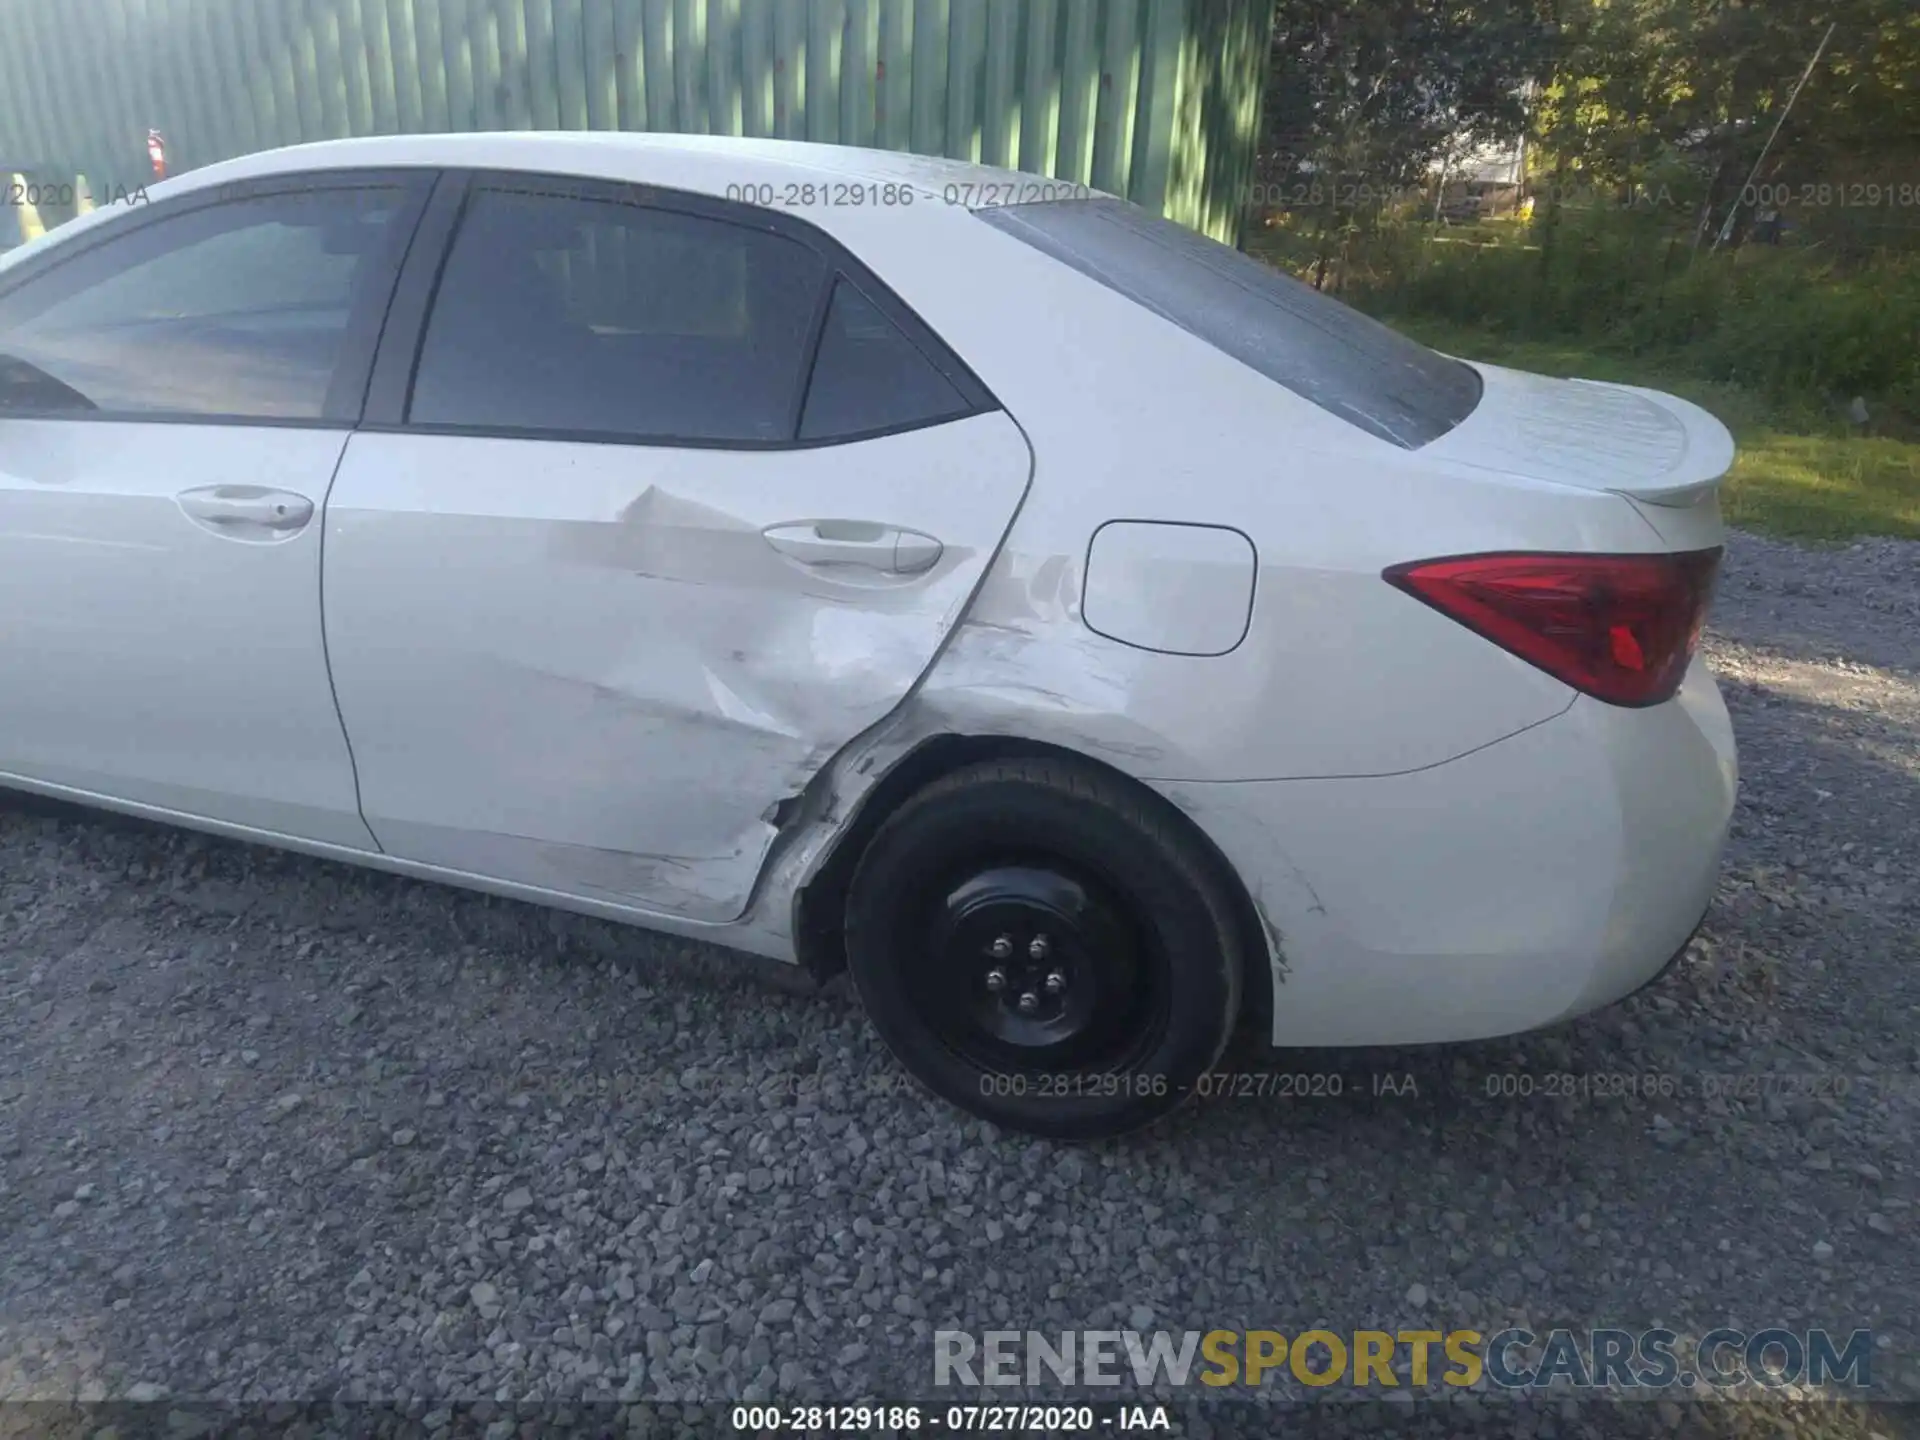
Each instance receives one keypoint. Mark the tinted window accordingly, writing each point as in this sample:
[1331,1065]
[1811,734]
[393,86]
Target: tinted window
[238,309]
[574,314]
[1324,351]
[869,376]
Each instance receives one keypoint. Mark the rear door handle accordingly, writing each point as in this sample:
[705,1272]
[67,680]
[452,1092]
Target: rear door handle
[862,543]
[247,511]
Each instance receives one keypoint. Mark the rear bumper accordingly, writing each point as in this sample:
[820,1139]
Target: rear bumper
[1672,960]
[1534,880]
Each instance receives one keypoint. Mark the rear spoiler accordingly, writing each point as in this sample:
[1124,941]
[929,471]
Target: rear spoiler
[1710,454]
[1625,440]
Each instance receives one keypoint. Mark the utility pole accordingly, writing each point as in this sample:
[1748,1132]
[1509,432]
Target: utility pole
[1726,230]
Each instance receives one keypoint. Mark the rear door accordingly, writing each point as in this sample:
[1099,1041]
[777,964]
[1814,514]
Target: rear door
[673,500]
[176,389]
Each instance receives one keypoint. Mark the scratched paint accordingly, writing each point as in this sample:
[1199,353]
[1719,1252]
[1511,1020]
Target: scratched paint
[604,679]
[582,673]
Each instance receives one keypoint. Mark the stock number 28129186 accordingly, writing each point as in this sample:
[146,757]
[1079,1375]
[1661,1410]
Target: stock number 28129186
[957,1419]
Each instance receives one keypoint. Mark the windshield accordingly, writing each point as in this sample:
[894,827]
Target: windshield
[1322,350]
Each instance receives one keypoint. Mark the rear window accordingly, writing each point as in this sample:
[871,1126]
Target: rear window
[1346,363]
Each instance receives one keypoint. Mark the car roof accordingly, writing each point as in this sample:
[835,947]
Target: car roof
[702,163]
[813,179]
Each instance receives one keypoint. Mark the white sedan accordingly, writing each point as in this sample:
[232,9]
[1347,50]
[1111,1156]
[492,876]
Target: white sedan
[1087,636]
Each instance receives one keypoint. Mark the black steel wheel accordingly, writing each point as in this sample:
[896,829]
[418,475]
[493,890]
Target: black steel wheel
[1043,945]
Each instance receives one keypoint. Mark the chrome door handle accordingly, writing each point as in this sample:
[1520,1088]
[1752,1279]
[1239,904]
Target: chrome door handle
[241,508]
[862,543]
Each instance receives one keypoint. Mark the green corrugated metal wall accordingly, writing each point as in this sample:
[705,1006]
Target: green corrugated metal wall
[1154,99]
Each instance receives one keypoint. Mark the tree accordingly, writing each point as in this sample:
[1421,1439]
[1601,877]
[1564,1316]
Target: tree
[1365,95]
[1641,83]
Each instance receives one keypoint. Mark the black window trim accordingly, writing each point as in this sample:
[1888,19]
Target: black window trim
[402,343]
[343,408]
[810,352]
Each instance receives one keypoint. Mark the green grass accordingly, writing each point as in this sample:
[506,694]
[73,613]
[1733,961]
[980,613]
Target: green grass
[1801,473]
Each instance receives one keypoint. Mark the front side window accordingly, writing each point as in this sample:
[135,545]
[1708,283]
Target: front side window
[576,315]
[1368,374]
[236,310]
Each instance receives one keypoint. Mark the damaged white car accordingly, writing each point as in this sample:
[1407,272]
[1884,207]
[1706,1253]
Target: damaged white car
[1085,635]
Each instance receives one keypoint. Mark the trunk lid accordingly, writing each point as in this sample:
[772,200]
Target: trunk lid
[1641,444]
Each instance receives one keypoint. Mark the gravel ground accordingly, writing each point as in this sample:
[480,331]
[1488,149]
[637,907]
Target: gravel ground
[272,1129]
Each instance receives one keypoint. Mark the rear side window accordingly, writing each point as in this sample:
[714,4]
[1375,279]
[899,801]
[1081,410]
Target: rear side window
[573,314]
[237,310]
[1369,375]
[870,377]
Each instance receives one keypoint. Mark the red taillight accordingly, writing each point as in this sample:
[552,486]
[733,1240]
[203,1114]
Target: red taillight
[1623,628]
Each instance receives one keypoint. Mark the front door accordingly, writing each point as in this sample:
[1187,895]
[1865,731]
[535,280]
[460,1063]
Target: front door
[175,396]
[637,564]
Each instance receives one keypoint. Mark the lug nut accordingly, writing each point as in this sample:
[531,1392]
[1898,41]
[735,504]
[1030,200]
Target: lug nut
[1029,1002]
[1038,949]
[1001,948]
[996,980]
[1056,982]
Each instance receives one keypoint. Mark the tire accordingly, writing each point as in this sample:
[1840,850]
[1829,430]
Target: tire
[1042,945]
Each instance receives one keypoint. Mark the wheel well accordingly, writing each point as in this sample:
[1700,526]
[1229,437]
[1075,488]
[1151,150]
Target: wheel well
[821,904]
